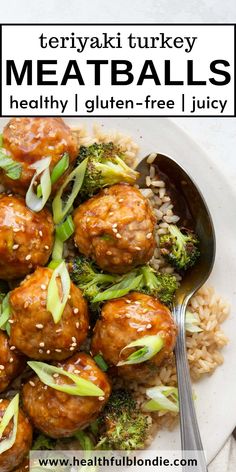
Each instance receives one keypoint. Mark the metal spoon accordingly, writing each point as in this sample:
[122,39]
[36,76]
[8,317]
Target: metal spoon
[190,204]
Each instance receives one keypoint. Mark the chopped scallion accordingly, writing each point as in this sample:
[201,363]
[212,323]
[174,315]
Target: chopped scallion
[11,168]
[57,172]
[101,362]
[65,230]
[149,347]
[33,201]
[163,398]
[11,412]
[55,301]
[60,208]
[80,386]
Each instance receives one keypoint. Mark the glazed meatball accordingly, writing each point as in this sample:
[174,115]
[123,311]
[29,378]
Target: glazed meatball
[24,466]
[58,414]
[30,139]
[11,362]
[126,319]
[14,456]
[116,228]
[26,238]
[33,330]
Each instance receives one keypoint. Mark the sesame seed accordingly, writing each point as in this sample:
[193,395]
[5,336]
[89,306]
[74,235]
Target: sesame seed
[77,324]
[39,326]
[40,351]
[149,326]
[10,205]
[57,350]
[72,348]
[15,246]
[115,225]
[75,310]
[114,230]
[140,329]
[46,247]
[45,387]
[120,200]
[42,344]
[16,230]
[12,348]
[69,297]
[48,351]
[11,360]
[32,383]
[28,257]
[1,399]
[101,398]
[40,233]
[74,344]
[128,301]
[111,213]
[2,367]
[58,330]
[10,321]
[73,339]
[137,303]
[128,315]
[118,236]
[138,248]
[43,287]
[108,253]
[55,375]
[149,235]
[76,371]
[26,304]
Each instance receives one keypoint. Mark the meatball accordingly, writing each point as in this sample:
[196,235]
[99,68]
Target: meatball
[58,414]
[30,139]
[14,456]
[26,238]
[116,228]
[24,466]
[11,362]
[33,330]
[126,319]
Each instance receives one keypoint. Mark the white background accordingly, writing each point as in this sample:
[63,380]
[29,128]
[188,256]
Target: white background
[211,43]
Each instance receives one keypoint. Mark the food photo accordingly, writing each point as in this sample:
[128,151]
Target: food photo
[116,288]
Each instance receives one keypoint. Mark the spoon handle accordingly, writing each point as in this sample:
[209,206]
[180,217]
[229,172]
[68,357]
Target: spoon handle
[190,435]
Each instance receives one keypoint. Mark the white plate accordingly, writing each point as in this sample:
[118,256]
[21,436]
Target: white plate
[216,395]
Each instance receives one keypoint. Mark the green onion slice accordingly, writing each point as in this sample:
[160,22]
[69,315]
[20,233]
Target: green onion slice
[33,201]
[60,168]
[191,323]
[129,283]
[65,230]
[81,387]
[5,314]
[12,411]
[149,347]
[57,172]
[57,252]
[100,362]
[163,398]
[11,168]
[60,209]
[56,303]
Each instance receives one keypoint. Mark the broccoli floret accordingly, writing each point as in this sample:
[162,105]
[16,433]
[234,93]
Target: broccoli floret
[84,273]
[123,425]
[105,167]
[43,443]
[180,247]
[162,286]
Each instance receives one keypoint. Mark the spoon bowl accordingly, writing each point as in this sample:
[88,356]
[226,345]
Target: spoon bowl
[191,207]
[193,212]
